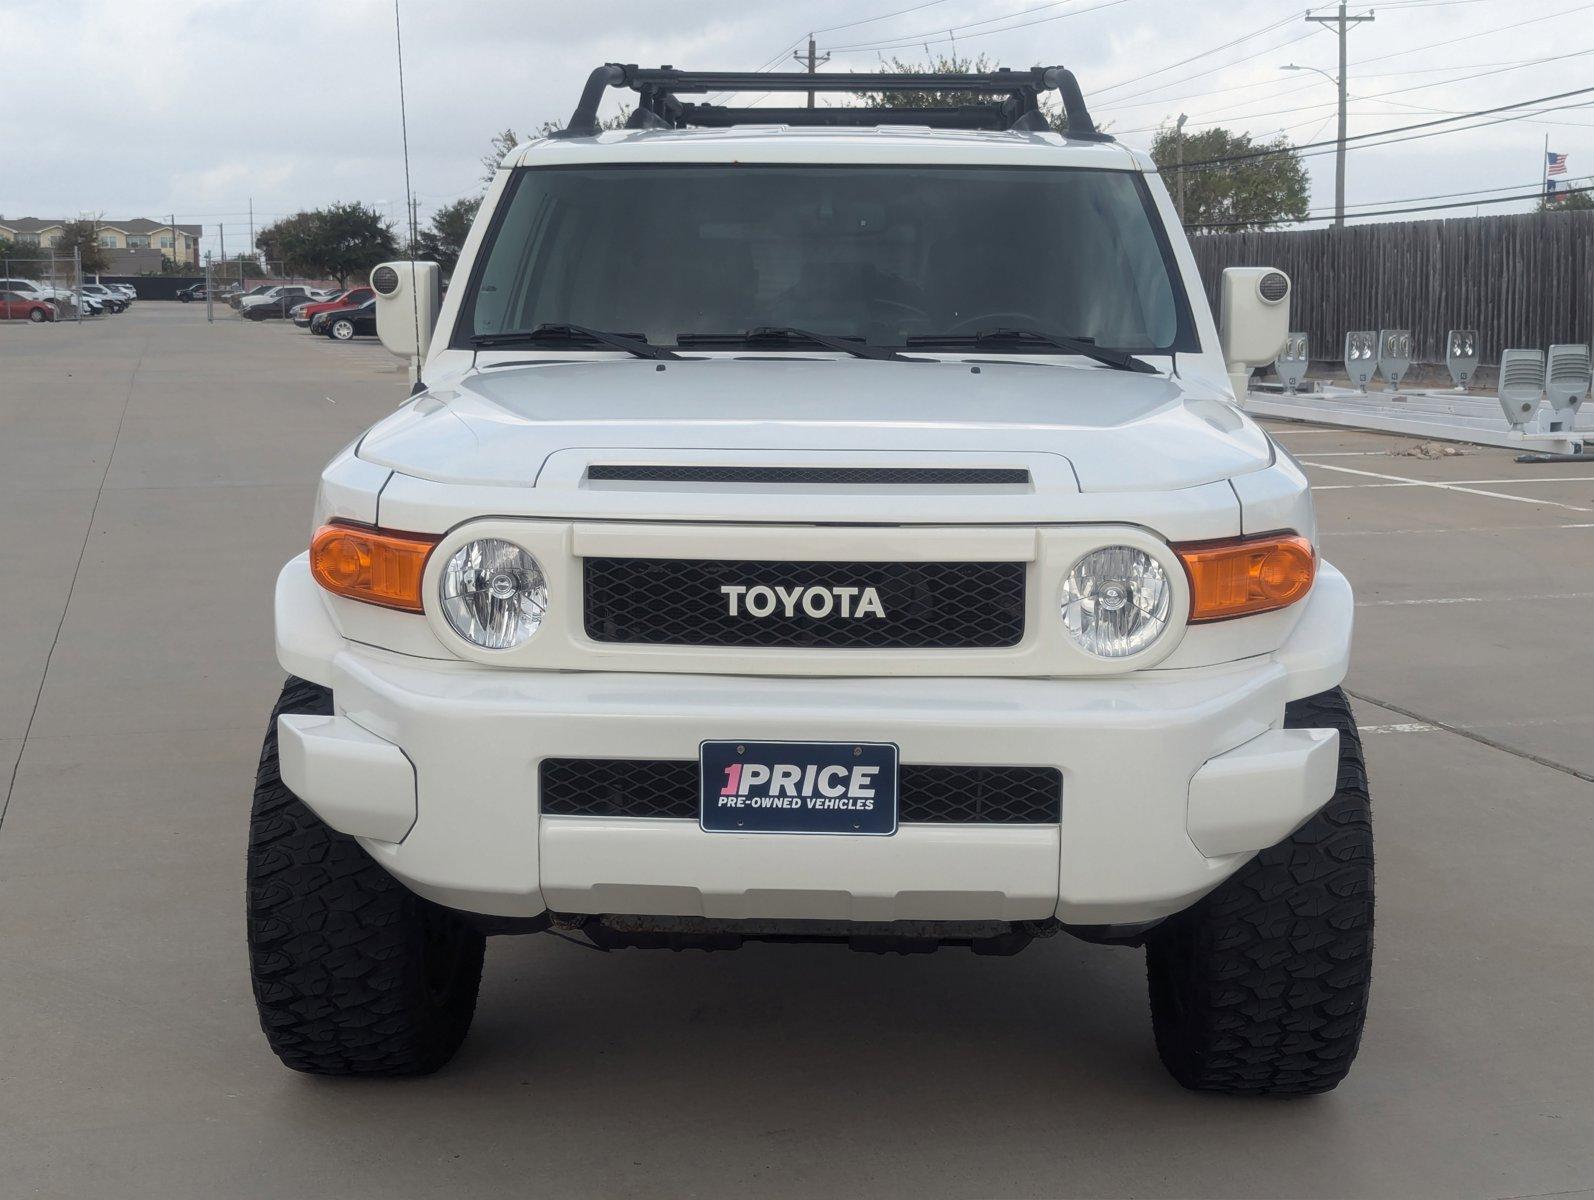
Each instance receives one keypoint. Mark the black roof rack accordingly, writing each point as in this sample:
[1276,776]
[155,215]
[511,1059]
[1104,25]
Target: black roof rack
[1014,100]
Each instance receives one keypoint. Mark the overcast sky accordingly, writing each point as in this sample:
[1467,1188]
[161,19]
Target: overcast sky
[147,107]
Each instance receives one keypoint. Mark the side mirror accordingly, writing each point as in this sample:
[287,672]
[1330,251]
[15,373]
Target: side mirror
[1253,320]
[408,295]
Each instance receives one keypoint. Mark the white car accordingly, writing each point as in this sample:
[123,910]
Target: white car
[267,296]
[807,532]
[105,296]
[33,288]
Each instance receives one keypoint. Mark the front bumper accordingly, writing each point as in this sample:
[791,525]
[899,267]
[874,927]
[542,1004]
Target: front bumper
[1172,780]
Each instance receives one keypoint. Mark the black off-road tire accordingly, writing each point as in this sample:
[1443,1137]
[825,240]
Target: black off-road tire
[1261,988]
[353,973]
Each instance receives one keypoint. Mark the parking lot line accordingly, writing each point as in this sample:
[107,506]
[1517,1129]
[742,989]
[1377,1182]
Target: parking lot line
[1448,487]
[1474,599]
[1338,533]
[1473,736]
[1340,487]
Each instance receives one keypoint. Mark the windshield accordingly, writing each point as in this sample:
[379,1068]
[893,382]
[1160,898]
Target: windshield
[882,254]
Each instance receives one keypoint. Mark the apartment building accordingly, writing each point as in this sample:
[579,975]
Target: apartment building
[132,245]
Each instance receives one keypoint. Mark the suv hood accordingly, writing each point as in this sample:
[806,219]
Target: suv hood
[1118,431]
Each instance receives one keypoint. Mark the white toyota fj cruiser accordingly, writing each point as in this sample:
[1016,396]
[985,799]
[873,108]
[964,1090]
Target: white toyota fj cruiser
[827,524]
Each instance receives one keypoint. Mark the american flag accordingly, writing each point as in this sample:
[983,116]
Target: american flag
[1557,164]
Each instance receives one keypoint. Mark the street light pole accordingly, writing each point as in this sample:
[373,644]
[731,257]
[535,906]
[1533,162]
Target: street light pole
[1342,22]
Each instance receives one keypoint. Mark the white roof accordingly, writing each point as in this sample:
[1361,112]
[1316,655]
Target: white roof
[803,144]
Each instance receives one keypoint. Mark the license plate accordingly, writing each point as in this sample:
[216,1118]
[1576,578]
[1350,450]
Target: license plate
[798,787]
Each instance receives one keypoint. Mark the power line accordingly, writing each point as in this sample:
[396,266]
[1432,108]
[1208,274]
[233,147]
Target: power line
[1099,99]
[901,12]
[1526,120]
[909,39]
[955,33]
[1510,26]
[1387,212]
[1504,187]
[1279,91]
[1417,87]
[1307,146]
[1204,54]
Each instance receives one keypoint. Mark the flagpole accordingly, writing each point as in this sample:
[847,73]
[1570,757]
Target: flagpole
[1544,179]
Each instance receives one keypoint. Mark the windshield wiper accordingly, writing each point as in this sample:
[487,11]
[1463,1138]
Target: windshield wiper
[552,332]
[1084,347]
[787,334]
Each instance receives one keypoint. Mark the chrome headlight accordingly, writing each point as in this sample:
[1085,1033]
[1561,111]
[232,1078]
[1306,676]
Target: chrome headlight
[1116,601]
[493,593]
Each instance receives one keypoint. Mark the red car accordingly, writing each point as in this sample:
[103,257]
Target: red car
[14,306]
[303,314]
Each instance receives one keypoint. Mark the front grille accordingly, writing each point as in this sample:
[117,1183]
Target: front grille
[901,476]
[929,795]
[679,602]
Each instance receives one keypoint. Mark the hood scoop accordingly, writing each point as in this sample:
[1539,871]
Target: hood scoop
[832,476]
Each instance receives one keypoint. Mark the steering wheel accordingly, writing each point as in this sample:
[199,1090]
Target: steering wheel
[996,320]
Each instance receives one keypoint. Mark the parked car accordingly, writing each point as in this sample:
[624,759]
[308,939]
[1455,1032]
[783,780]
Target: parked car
[34,289]
[20,306]
[932,598]
[194,291]
[341,324]
[114,301]
[305,313]
[298,290]
[236,299]
[273,307]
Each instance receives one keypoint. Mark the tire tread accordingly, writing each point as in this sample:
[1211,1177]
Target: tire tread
[336,944]
[1262,986]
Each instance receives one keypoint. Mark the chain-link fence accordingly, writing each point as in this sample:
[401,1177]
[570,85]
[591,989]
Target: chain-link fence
[57,278]
[228,281]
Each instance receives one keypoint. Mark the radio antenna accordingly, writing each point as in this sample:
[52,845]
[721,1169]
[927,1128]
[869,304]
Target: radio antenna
[409,196]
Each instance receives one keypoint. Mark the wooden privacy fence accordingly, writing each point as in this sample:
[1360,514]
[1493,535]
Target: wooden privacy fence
[1519,280]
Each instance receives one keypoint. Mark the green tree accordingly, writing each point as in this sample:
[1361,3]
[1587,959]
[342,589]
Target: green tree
[83,235]
[503,142]
[1567,202]
[946,64]
[1252,193]
[507,139]
[337,241]
[443,241]
[286,243]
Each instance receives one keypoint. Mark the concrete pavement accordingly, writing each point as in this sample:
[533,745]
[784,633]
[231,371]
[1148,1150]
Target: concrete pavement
[157,471]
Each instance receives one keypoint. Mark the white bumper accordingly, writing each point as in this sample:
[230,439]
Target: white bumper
[1171,780]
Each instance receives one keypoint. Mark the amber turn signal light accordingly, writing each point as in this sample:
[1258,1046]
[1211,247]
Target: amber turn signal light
[1240,576]
[369,564]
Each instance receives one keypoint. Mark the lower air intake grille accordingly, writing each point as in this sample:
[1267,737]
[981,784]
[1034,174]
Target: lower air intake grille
[623,787]
[901,476]
[914,606]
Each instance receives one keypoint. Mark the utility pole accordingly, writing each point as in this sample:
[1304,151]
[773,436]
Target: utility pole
[1342,24]
[813,59]
[251,233]
[1178,134]
[222,231]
